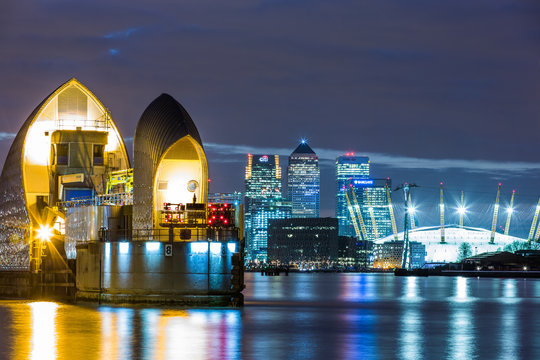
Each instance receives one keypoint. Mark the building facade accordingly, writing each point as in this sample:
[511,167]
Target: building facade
[348,167]
[262,201]
[388,255]
[372,199]
[303,240]
[303,182]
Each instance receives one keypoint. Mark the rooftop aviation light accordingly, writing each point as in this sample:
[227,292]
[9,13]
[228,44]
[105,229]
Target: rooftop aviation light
[231,246]
[215,248]
[153,246]
[198,247]
[123,247]
[45,233]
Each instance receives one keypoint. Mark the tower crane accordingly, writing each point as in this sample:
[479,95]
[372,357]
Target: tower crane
[510,211]
[406,257]
[495,214]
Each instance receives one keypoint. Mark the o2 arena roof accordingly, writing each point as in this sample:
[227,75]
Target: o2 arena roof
[430,236]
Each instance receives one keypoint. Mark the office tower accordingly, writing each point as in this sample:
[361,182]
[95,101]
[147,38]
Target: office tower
[303,182]
[371,197]
[348,167]
[301,241]
[262,200]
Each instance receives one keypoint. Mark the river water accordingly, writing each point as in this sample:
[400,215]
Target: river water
[300,316]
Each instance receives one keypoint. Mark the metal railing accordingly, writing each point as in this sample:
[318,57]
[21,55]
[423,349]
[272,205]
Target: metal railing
[118,199]
[183,234]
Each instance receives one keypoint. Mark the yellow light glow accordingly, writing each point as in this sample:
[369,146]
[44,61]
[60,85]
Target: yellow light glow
[45,233]
[43,330]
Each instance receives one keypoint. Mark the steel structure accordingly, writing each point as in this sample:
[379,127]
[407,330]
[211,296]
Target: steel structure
[495,214]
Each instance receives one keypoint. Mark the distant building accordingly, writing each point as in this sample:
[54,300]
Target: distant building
[354,253]
[303,240]
[388,255]
[373,202]
[303,182]
[262,201]
[478,238]
[348,167]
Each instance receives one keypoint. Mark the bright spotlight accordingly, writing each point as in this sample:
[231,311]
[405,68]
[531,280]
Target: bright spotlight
[509,210]
[461,210]
[45,233]
[411,210]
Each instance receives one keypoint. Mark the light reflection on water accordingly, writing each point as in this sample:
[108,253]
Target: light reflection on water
[326,316]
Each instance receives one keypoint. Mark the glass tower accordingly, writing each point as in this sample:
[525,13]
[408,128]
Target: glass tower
[304,182]
[373,202]
[348,168]
[263,201]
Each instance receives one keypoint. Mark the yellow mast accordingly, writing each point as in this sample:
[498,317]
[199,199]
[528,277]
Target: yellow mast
[510,211]
[411,214]
[461,212]
[353,217]
[372,215]
[535,219]
[391,210]
[495,214]
[359,214]
[441,209]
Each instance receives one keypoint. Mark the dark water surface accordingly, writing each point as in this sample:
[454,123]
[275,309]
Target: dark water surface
[300,316]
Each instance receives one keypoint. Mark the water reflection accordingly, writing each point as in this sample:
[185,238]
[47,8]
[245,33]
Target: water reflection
[43,330]
[302,316]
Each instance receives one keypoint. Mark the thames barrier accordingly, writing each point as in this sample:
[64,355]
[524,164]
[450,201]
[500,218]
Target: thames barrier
[79,222]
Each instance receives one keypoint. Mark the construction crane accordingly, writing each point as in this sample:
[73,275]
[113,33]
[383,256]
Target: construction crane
[358,213]
[535,219]
[411,213]
[372,215]
[406,257]
[461,210]
[441,209]
[495,214]
[510,211]
[353,216]
[391,210]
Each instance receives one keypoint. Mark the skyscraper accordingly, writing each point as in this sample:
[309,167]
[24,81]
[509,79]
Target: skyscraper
[348,167]
[303,182]
[371,196]
[263,200]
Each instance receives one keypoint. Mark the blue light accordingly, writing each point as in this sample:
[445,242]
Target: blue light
[363,182]
[303,141]
[123,247]
[198,247]
[215,248]
[232,247]
[153,246]
[107,249]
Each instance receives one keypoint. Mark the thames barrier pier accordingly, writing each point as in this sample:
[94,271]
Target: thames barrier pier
[77,222]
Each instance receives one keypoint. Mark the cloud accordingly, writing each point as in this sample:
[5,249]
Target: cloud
[121,33]
[382,159]
[6,136]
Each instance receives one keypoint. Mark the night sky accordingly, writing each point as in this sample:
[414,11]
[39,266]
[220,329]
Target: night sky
[431,90]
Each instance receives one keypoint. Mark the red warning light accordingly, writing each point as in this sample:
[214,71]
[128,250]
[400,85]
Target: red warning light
[225,221]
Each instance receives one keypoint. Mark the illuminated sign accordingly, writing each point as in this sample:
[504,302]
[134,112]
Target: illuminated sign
[263,158]
[363,182]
